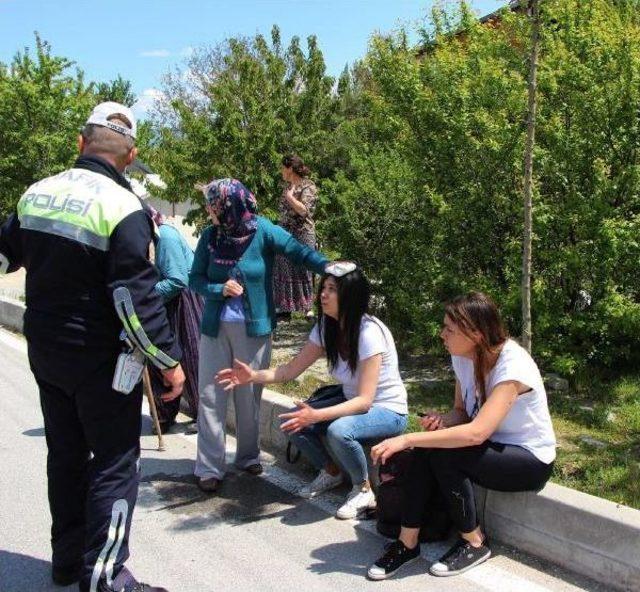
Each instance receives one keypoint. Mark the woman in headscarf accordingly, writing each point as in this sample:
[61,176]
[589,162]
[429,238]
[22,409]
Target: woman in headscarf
[232,270]
[294,284]
[173,258]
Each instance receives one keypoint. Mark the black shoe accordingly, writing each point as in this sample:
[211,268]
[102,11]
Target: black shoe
[395,556]
[131,587]
[137,587]
[254,469]
[460,558]
[65,575]
[209,485]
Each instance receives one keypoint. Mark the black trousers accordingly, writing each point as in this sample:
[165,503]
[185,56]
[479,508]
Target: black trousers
[501,467]
[93,440]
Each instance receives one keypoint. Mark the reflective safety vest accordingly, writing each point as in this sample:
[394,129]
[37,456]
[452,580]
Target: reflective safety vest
[77,204]
[84,239]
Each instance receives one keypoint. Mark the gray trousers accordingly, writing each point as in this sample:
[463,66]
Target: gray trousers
[217,353]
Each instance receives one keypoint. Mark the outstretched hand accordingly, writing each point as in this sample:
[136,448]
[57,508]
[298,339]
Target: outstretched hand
[380,453]
[229,378]
[303,416]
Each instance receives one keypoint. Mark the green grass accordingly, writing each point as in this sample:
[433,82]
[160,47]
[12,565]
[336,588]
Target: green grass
[609,412]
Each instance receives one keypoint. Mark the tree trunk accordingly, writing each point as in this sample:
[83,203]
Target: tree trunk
[534,8]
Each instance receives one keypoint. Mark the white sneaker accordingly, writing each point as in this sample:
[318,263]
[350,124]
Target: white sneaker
[357,501]
[323,482]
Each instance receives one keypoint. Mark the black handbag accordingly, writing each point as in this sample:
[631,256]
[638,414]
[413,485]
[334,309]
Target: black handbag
[325,396]
[390,501]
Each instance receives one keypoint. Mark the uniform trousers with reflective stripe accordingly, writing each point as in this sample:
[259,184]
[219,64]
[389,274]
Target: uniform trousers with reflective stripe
[93,440]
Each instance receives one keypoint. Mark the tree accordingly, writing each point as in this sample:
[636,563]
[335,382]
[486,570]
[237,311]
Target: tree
[420,150]
[44,102]
[42,107]
[237,108]
[435,169]
[430,185]
[118,90]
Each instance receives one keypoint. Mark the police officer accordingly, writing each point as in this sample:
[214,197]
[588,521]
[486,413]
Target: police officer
[83,238]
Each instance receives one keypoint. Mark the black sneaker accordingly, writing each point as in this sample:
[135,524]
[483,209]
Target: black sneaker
[65,575]
[460,558]
[395,556]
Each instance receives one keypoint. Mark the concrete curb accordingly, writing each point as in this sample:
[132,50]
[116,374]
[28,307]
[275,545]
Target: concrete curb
[580,532]
[11,313]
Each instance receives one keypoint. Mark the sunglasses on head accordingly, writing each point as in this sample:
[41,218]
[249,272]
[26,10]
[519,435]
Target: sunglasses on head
[340,268]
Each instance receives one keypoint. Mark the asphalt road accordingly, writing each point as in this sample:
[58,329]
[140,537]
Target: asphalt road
[255,535]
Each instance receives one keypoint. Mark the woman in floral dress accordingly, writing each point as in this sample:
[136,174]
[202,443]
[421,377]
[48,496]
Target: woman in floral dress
[293,285]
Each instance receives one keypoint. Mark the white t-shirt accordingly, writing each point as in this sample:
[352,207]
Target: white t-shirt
[528,423]
[375,338]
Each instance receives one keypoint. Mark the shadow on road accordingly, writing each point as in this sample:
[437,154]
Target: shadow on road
[241,499]
[19,573]
[355,557]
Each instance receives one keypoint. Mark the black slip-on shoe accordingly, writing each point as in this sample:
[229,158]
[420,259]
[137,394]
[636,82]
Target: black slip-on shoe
[395,556]
[209,485]
[255,469]
[460,558]
[125,582]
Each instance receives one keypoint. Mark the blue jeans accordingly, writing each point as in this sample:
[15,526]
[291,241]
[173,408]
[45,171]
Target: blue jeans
[345,437]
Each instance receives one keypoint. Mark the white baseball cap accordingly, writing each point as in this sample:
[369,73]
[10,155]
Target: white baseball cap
[102,112]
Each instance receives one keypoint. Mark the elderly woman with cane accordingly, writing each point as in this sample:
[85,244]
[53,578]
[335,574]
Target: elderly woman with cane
[173,259]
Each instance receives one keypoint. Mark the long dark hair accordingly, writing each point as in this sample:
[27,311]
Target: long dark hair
[341,336]
[476,312]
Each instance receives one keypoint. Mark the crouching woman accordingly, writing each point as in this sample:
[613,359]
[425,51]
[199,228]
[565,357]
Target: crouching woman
[498,435]
[361,356]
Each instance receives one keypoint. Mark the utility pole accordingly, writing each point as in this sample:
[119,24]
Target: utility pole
[534,14]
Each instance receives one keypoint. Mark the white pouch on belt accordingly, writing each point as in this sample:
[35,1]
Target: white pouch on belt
[128,372]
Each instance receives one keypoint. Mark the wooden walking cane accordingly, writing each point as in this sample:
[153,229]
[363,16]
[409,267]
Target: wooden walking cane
[146,381]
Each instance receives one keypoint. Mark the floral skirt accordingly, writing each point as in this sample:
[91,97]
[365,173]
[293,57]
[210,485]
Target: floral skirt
[292,284]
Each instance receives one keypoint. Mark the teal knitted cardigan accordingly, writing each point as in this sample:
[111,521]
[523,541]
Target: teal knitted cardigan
[207,278]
